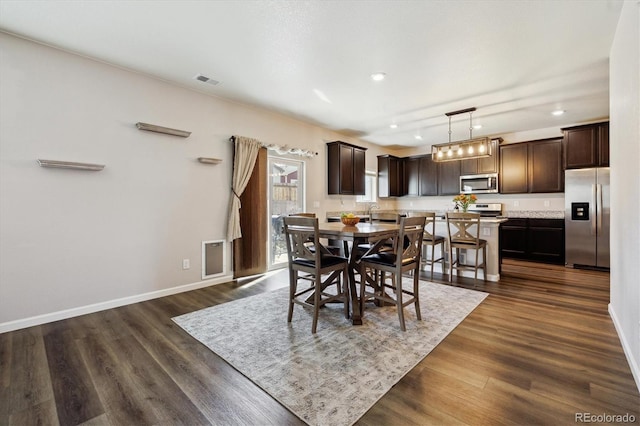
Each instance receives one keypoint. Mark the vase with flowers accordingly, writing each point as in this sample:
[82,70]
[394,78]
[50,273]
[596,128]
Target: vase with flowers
[463,200]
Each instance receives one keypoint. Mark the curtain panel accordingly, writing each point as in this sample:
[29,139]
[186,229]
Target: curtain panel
[246,151]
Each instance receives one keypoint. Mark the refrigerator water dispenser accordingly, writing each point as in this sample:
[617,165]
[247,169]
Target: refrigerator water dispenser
[579,211]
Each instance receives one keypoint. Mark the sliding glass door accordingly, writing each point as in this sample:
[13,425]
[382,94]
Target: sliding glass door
[286,196]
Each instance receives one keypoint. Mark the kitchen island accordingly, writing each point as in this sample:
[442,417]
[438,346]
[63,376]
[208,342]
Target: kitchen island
[489,231]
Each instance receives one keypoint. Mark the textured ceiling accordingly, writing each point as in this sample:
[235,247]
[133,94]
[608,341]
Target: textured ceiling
[515,61]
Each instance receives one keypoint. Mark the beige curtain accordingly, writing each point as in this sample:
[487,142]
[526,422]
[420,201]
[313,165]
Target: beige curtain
[246,151]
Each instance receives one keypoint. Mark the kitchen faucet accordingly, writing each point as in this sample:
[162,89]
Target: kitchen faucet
[372,206]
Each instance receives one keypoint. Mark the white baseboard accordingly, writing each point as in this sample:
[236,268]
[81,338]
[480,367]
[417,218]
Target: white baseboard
[96,307]
[633,365]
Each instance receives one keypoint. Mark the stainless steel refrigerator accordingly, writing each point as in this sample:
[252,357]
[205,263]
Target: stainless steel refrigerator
[586,217]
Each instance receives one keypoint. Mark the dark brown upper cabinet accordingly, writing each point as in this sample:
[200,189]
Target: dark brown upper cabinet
[479,166]
[513,169]
[420,176]
[586,146]
[345,168]
[390,176]
[412,176]
[531,167]
[428,176]
[449,178]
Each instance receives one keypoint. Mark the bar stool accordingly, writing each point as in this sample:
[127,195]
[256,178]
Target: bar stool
[463,232]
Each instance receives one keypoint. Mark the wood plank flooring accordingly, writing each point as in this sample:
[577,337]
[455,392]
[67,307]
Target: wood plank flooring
[538,350]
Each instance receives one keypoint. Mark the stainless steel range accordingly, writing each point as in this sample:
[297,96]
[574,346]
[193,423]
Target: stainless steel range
[486,210]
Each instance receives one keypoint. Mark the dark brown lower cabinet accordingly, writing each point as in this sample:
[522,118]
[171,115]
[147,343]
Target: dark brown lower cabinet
[539,240]
[513,239]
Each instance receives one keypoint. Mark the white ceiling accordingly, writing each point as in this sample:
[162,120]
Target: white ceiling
[515,61]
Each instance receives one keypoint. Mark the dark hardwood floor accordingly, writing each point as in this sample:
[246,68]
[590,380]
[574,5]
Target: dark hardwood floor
[538,350]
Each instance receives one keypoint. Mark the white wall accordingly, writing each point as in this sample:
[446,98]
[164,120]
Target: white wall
[76,241]
[625,182]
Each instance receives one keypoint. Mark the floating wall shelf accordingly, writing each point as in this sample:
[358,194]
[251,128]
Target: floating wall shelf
[70,165]
[165,130]
[207,160]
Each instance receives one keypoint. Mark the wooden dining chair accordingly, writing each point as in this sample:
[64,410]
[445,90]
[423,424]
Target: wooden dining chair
[311,265]
[431,240]
[463,233]
[404,258]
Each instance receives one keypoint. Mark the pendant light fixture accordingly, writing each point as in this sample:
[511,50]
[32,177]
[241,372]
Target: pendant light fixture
[461,150]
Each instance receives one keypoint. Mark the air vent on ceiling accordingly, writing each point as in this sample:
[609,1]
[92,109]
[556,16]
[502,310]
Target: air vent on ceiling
[205,79]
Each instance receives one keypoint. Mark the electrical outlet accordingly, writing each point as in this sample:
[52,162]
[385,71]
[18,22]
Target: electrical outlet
[486,232]
[516,204]
[186,264]
[316,204]
[546,203]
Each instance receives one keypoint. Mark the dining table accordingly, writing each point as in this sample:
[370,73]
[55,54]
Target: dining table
[375,234]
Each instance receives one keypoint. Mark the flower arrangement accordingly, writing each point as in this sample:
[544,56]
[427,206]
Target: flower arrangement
[463,200]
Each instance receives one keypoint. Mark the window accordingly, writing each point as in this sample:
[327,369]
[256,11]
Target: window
[370,188]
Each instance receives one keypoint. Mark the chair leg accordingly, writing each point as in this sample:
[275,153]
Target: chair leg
[433,256]
[450,263]
[416,293]
[316,302]
[293,281]
[345,291]
[484,262]
[363,284]
[476,268]
[398,286]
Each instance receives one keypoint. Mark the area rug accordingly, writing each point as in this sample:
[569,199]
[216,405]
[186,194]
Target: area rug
[336,375]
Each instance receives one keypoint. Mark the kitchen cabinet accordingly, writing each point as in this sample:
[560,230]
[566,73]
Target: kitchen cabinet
[449,178]
[420,176]
[411,176]
[428,176]
[539,240]
[586,146]
[513,239]
[545,166]
[390,176]
[479,166]
[531,167]
[345,169]
[513,169]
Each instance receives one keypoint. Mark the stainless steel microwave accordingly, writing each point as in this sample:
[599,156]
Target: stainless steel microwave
[479,184]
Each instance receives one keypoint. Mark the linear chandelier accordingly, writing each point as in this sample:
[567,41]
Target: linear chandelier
[461,150]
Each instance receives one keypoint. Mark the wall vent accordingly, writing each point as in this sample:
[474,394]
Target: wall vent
[205,79]
[213,258]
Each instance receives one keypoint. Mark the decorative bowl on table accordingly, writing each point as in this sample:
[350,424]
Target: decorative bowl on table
[350,220]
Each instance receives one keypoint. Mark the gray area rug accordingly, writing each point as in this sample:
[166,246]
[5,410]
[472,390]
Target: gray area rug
[333,377]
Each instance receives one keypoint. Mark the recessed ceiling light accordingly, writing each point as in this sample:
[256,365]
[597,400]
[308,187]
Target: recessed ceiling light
[378,76]
[477,126]
[558,112]
[418,137]
[393,126]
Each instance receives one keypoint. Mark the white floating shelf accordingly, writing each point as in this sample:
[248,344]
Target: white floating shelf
[70,165]
[165,130]
[207,160]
